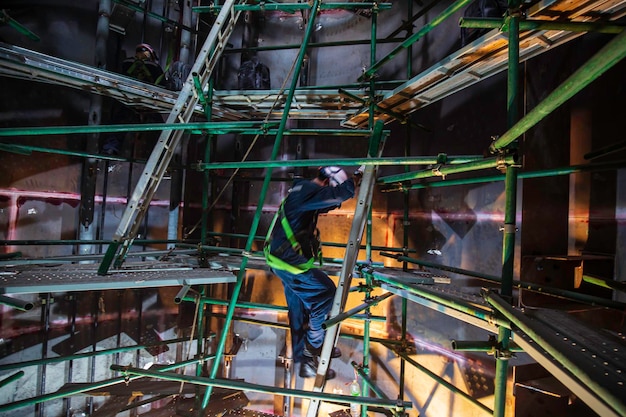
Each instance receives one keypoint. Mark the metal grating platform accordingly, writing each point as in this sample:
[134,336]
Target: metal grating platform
[84,277]
[434,291]
[17,62]
[487,56]
[587,360]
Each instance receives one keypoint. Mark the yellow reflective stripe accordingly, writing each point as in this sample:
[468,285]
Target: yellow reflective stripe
[289,232]
[277,263]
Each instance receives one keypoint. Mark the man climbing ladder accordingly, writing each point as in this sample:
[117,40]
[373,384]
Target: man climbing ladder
[293,251]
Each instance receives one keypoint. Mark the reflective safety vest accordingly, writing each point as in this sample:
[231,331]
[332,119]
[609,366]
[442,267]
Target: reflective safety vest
[277,263]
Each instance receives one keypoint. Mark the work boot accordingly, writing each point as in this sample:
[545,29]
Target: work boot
[311,351]
[308,368]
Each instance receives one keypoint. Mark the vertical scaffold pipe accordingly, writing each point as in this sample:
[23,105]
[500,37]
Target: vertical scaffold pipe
[508,241]
[259,210]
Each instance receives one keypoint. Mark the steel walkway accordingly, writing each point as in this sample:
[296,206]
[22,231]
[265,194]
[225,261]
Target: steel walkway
[309,104]
[487,56]
[590,362]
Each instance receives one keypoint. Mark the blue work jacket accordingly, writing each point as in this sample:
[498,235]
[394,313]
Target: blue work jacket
[305,201]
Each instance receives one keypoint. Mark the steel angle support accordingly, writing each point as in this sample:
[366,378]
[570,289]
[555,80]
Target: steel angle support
[169,139]
[352,250]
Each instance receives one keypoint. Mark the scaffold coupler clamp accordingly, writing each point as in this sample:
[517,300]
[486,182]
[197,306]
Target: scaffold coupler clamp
[437,172]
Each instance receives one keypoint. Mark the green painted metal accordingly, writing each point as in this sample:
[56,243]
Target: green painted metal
[524,285]
[5,18]
[410,160]
[402,118]
[295,7]
[16,303]
[212,127]
[329,244]
[11,378]
[480,346]
[323,133]
[508,241]
[607,57]
[263,193]
[372,151]
[451,10]
[522,175]
[368,381]
[362,133]
[200,328]
[530,24]
[456,391]
[133,6]
[442,171]
[510,188]
[457,305]
[321,45]
[364,371]
[77,356]
[28,149]
[206,178]
[206,189]
[108,258]
[201,97]
[605,150]
[246,386]
[88,387]
[54,242]
[605,283]
[240,304]
[369,302]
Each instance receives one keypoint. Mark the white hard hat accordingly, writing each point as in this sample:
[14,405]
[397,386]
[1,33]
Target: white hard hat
[335,175]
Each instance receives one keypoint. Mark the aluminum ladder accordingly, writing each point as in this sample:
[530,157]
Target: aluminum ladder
[364,202]
[163,152]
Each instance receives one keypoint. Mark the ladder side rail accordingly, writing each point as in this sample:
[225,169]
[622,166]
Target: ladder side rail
[168,141]
[366,191]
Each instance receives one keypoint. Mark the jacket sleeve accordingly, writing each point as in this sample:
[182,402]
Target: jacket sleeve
[328,198]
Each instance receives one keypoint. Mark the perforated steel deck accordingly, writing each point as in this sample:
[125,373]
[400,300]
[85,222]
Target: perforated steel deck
[81,277]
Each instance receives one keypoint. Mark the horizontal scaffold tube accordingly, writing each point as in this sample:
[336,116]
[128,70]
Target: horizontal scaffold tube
[11,378]
[352,312]
[246,386]
[439,380]
[450,11]
[529,24]
[401,160]
[209,127]
[77,356]
[524,285]
[458,305]
[64,393]
[522,175]
[16,303]
[442,171]
[295,7]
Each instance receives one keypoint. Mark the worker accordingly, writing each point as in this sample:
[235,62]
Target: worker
[293,252]
[143,66]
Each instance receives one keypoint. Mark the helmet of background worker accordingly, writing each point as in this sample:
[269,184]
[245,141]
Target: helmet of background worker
[145,52]
[335,175]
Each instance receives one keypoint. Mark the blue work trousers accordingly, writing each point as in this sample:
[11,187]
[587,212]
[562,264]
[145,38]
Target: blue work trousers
[309,300]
